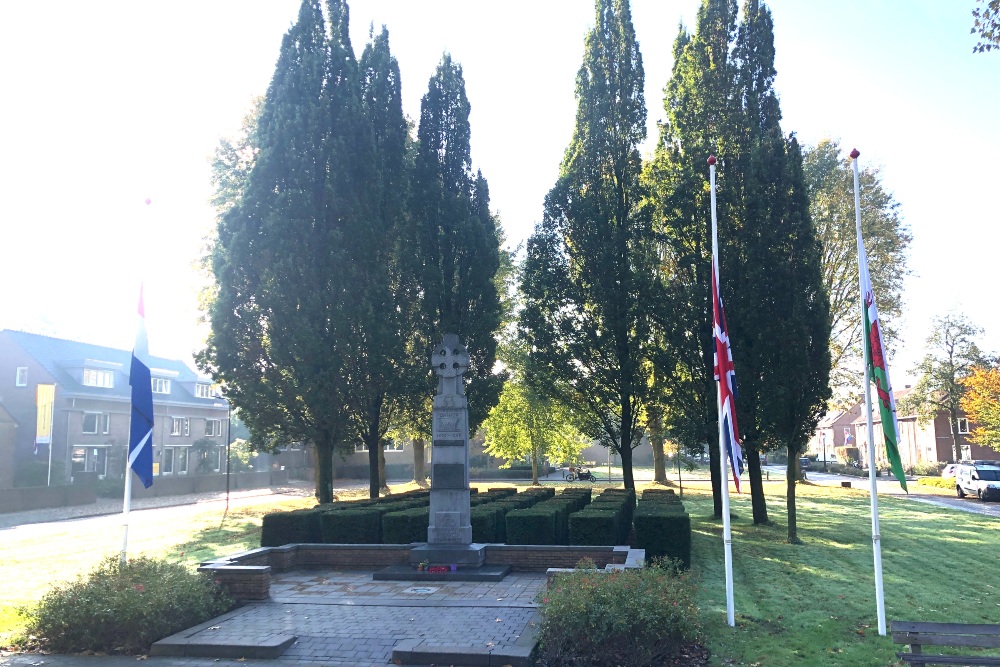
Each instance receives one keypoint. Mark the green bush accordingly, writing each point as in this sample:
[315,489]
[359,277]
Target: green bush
[406,526]
[939,482]
[352,526]
[295,527]
[631,618]
[595,527]
[927,468]
[124,608]
[536,525]
[487,524]
[578,491]
[663,530]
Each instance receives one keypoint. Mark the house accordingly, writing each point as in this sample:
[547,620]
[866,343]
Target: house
[836,429]
[930,442]
[88,417]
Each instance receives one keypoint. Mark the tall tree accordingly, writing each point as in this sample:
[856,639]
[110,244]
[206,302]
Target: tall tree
[830,183]
[588,279]
[700,104]
[453,242]
[277,324]
[951,356]
[981,404]
[778,311]
[383,369]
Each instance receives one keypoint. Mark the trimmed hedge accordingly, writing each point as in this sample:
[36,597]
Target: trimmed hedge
[536,525]
[352,526]
[406,526]
[594,527]
[487,524]
[295,527]
[663,530]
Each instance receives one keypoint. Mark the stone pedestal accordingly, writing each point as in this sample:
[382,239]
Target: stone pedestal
[449,534]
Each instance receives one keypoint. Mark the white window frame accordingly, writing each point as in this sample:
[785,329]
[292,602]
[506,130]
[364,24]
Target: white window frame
[395,446]
[160,385]
[21,376]
[202,390]
[963,425]
[213,428]
[102,423]
[95,377]
[180,426]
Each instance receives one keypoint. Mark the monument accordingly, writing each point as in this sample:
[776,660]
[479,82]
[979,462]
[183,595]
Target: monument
[449,533]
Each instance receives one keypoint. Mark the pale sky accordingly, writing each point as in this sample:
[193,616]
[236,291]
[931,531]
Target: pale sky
[106,104]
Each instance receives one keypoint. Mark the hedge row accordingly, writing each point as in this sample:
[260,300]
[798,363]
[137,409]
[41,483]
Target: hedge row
[662,527]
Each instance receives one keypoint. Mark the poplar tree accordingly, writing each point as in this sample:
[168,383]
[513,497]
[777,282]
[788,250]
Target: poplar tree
[277,324]
[588,280]
[453,245]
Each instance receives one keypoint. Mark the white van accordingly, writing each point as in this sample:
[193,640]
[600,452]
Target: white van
[982,481]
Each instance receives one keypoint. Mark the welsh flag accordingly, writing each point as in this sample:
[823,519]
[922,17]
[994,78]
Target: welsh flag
[878,370]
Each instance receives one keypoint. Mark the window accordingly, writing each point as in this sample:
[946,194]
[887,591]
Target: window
[180,426]
[21,377]
[160,385]
[181,460]
[96,378]
[963,425]
[389,446]
[203,390]
[213,427]
[96,422]
[168,462]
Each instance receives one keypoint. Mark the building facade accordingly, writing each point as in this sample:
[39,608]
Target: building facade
[89,414]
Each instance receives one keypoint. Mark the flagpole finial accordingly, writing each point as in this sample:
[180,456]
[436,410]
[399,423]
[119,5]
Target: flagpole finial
[855,153]
[711,160]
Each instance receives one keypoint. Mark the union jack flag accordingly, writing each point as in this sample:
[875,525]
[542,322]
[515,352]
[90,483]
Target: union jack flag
[725,374]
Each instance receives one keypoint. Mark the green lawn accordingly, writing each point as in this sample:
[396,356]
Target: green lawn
[803,605]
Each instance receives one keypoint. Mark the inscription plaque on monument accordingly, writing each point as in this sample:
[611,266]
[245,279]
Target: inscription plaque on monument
[449,428]
[448,524]
[448,476]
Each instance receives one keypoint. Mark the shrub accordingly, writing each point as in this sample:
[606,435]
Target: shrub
[595,527]
[663,529]
[487,524]
[938,482]
[352,526]
[927,468]
[631,618]
[536,525]
[406,526]
[295,527]
[124,608]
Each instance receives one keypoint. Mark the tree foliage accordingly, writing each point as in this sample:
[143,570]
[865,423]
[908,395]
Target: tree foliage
[588,277]
[952,354]
[830,183]
[526,425]
[986,22]
[981,403]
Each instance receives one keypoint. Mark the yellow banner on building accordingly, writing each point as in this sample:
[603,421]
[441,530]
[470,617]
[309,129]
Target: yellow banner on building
[45,400]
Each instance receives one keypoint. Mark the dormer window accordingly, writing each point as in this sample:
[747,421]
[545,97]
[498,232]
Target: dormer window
[160,385]
[93,377]
[21,377]
[202,390]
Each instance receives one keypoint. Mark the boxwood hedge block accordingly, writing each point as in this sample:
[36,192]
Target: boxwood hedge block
[406,526]
[487,524]
[531,526]
[295,527]
[663,531]
[352,526]
[594,527]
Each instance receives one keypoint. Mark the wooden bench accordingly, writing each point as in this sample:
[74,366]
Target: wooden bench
[945,634]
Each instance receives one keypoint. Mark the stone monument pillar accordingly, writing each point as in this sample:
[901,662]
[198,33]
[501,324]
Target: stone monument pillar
[449,534]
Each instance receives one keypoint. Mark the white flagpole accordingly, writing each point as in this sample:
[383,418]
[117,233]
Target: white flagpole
[52,434]
[873,492]
[723,455]
[126,507]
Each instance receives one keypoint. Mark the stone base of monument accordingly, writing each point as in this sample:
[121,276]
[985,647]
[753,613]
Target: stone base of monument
[463,555]
[411,573]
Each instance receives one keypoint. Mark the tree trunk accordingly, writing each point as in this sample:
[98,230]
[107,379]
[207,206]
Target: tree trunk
[534,467]
[790,477]
[626,453]
[324,472]
[757,499]
[656,442]
[419,474]
[382,484]
[373,477]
